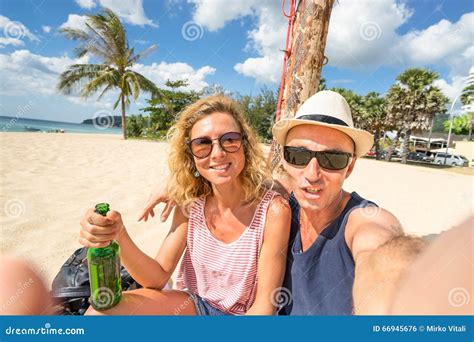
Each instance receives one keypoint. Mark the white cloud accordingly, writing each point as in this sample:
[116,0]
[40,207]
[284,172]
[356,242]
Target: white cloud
[14,32]
[266,39]
[205,12]
[453,88]
[369,39]
[75,21]
[442,43]
[362,33]
[362,41]
[46,29]
[10,41]
[27,74]
[86,4]
[263,69]
[160,73]
[131,11]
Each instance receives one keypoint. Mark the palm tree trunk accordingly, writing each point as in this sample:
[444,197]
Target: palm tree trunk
[305,60]
[124,121]
[377,144]
[392,146]
[470,128]
[307,53]
[406,141]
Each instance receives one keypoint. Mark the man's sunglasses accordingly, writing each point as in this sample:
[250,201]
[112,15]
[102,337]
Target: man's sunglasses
[229,142]
[330,160]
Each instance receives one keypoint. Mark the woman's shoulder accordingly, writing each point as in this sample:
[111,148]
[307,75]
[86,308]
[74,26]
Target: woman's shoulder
[277,203]
[276,186]
[278,213]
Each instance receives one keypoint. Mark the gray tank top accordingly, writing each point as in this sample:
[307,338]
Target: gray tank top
[320,279]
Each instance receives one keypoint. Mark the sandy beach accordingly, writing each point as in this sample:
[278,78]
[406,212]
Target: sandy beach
[48,181]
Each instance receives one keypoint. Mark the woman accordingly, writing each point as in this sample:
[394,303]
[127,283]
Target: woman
[233,232]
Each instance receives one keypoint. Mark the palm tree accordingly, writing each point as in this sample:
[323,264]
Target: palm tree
[104,38]
[467,99]
[368,113]
[322,84]
[412,102]
[374,116]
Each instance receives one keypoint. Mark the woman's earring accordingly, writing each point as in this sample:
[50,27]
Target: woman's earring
[196,174]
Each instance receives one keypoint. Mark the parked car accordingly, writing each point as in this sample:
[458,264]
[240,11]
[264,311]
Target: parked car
[417,156]
[384,153]
[371,153]
[450,159]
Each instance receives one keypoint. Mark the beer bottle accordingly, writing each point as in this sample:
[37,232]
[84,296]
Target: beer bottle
[104,271]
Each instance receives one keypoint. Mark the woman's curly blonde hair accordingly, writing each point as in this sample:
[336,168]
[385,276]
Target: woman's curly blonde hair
[183,187]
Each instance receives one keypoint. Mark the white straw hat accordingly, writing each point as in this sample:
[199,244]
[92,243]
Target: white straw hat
[328,109]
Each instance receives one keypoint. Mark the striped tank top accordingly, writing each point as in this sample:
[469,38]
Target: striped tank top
[224,275]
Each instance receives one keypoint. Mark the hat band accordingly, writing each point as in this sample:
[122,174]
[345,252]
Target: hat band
[323,118]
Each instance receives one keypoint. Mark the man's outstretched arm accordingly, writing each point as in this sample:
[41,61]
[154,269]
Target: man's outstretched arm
[382,255]
[441,281]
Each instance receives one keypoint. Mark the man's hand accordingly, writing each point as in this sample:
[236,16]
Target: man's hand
[158,195]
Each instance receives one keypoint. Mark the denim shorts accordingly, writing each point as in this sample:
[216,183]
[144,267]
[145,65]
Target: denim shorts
[203,308]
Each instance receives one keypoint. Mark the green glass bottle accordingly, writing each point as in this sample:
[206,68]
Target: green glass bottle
[104,271]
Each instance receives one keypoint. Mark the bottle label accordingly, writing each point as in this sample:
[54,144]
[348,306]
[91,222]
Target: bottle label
[106,289]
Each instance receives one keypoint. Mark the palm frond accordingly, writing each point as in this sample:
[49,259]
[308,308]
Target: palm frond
[110,77]
[78,74]
[74,34]
[126,101]
[134,58]
[135,85]
[146,84]
[105,90]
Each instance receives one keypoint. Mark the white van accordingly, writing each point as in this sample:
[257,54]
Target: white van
[450,159]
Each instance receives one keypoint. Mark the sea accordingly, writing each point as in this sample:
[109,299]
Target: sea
[15,124]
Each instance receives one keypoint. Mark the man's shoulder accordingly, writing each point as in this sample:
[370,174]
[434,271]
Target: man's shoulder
[370,214]
[371,223]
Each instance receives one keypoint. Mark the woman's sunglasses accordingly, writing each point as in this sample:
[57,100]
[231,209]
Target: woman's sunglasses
[330,160]
[229,142]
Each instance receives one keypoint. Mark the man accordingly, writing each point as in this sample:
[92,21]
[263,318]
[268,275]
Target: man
[336,236]
[334,233]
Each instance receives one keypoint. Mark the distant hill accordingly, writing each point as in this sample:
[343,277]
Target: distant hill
[109,121]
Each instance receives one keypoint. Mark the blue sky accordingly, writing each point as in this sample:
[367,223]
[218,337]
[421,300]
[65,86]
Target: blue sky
[235,44]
